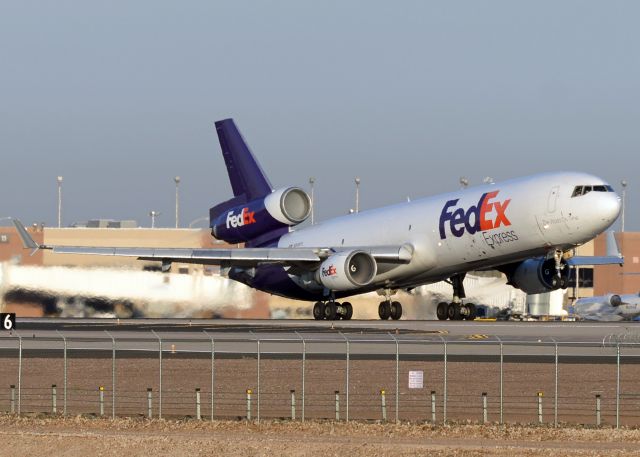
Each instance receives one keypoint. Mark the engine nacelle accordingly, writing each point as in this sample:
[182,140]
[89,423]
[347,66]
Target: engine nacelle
[536,276]
[615,300]
[281,208]
[347,270]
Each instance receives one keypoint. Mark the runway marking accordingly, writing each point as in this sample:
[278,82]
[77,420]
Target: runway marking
[477,336]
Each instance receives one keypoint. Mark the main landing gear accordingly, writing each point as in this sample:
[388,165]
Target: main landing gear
[456,310]
[390,309]
[332,311]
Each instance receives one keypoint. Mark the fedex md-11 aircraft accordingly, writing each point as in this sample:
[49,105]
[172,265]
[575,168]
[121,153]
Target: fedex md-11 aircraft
[521,227]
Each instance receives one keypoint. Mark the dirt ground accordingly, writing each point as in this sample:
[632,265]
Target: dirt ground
[80,437]
[578,385]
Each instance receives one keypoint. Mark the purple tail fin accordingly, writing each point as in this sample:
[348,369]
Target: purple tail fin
[247,178]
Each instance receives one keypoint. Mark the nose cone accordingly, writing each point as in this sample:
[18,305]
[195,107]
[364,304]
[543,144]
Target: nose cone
[608,207]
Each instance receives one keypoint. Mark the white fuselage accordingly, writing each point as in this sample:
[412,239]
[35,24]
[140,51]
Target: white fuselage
[451,233]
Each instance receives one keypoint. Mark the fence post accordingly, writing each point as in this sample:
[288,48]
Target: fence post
[383,400]
[19,374]
[293,405]
[501,380]
[304,361]
[348,354]
[337,405]
[149,402]
[13,399]
[484,407]
[444,401]
[64,387]
[159,373]
[258,384]
[198,416]
[213,360]
[617,385]
[101,400]
[598,410]
[433,406]
[540,407]
[248,404]
[555,394]
[113,375]
[54,399]
[397,376]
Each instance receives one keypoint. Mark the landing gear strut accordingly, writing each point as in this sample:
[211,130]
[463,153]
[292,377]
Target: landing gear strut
[562,281]
[332,310]
[456,310]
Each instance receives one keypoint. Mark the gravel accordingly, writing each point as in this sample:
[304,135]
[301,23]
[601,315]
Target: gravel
[81,436]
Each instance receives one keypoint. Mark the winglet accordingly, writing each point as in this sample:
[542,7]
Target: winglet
[27,240]
[612,245]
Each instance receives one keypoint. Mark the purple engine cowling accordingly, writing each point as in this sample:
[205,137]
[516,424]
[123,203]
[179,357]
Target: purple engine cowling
[283,207]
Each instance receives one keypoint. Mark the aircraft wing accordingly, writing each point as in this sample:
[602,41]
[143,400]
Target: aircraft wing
[241,256]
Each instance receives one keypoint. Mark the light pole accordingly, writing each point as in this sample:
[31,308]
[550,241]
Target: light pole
[177,181]
[312,181]
[357,180]
[59,179]
[624,198]
[153,215]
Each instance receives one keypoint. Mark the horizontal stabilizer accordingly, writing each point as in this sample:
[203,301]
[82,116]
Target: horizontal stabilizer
[613,256]
[579,261]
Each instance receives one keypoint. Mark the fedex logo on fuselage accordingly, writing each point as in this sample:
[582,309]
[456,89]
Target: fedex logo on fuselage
[245,217]
[488,214]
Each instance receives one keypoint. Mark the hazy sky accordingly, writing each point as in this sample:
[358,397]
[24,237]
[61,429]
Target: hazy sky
[120,96]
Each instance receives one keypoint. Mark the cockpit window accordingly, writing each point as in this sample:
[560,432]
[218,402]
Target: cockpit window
[583,190]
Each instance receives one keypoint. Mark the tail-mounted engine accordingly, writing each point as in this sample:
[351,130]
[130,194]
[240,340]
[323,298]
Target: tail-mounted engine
[347,270]
[237,224]
[536,276]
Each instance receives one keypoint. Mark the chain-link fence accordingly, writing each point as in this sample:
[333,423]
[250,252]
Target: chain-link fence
[301,376]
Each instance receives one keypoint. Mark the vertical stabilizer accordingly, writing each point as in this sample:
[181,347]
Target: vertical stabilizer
[245,174]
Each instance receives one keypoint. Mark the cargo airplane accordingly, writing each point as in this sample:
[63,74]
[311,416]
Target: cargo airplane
[522,227]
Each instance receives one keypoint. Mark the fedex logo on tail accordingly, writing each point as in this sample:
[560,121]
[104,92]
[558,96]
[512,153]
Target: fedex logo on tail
[245,217]
[488,214]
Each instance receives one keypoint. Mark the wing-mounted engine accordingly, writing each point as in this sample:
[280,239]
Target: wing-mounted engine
[614,300]
[347,270]
[536,276]
[246,221]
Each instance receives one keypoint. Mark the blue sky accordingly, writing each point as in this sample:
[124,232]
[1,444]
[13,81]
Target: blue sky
[119,97]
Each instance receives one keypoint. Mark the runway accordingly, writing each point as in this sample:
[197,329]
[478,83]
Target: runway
[583,332]
[471,341]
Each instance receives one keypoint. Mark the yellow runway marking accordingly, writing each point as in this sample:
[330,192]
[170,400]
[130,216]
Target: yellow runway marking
[477,337]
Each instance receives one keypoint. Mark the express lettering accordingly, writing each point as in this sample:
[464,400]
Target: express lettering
[475,218]
[245,217]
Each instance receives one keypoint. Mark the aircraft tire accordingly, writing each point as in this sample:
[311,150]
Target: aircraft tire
[473,312]
[384,310]
[331,311]
[453,311]
[318,311]
[396,310]
[348,311]
[441,311]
